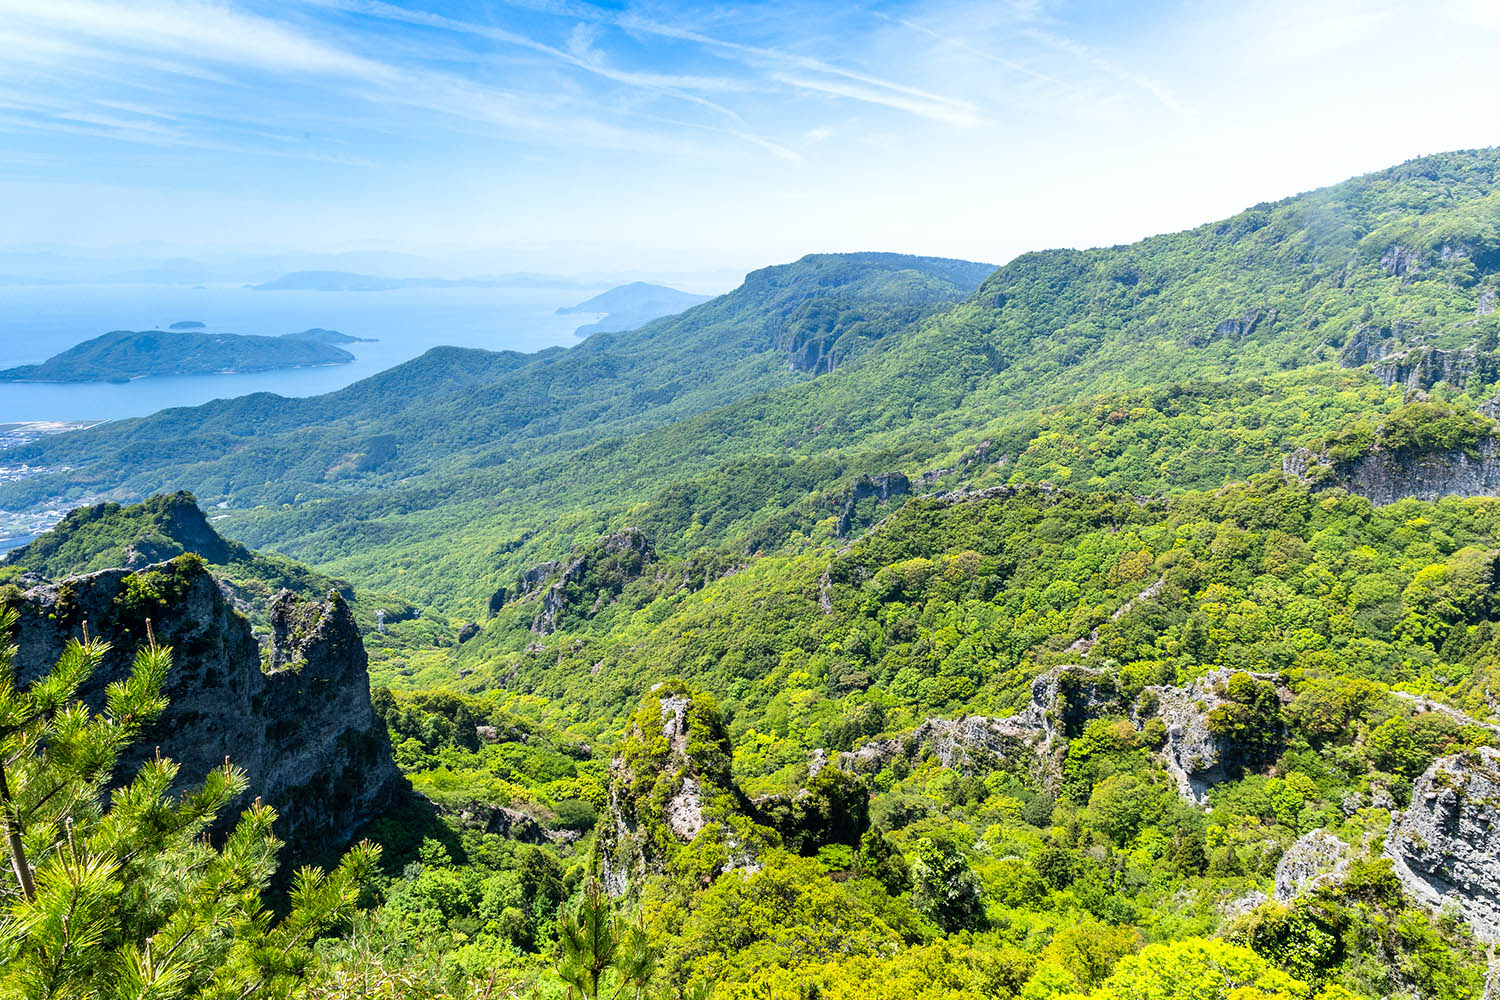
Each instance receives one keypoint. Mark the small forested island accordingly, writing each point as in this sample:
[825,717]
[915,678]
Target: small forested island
[629,306]
[124,355]
[317,335]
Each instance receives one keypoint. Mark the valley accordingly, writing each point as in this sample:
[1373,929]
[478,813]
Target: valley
[1108,624]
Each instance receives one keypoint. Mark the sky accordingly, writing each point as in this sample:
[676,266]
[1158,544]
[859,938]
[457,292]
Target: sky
[706,136]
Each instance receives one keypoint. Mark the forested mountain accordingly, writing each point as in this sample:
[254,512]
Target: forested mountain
[1113,624]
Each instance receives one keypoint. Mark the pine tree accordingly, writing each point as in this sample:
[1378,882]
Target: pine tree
[130,899]
[603,957]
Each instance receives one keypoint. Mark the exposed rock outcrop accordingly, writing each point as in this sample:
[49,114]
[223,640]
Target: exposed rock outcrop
[1369,344]
[1317,858]
[671,789]
[1063,699]
[302,729]
[505,822]
[882,488]
[1424,368]
[1243,326]
[1384,477]
[1198,754]
[673,760]
[597,573]
[1445,847]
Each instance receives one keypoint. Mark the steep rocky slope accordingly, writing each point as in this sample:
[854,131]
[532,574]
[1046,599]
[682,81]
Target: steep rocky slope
[1446,846]
[1384,476]
[295,714]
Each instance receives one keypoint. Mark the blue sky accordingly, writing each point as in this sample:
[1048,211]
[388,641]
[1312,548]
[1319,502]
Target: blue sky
[723,136]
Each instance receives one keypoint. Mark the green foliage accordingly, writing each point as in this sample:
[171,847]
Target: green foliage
[128,898]
[602,957]
[123,355]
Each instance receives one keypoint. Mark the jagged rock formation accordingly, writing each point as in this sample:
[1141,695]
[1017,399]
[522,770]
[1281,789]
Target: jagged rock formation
[1384,477]
[502,821]
[671,789]
[1424,368]
[593,576]
[1198,754]
[1368,344]
[1063,699]
[1243,326]
[1317,858]
[1445,847]
[302,729]
[675,756]
[882,488]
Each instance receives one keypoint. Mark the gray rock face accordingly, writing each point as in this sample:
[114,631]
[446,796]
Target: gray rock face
[627,851]
[1243,326]
[1063,699]
[1383,477]
[1316,859]
[1401,262]
[883,487]
[1445,847]
[618,558]
[1369,343]
[303,730]
[1424,368]
[1194,755]
[504,822]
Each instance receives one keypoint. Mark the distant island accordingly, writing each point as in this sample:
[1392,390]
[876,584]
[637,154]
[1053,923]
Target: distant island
[317,335]
[124,355]
[187,324]
[629,306]
[349,281]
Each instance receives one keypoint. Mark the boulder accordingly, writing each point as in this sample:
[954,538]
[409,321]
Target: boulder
[1316,859]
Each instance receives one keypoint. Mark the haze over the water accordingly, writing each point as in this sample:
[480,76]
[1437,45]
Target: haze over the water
[564,136]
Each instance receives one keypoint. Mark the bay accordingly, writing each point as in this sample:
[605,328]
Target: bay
[38,321]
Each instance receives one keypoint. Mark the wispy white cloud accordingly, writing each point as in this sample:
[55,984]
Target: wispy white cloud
[793,69]
[153,36]
[1156,90]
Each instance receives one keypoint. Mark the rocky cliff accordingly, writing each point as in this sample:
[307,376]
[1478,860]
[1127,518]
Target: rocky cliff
[592,577]
[301,726]
[1316,859]
[1424,368]
[1384,476]
[1211,730]
[1063,699]
[672,791]
[1445,847]
[669,783]
[1204,745]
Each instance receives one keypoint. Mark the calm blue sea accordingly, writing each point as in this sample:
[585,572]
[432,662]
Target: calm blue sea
[37,322]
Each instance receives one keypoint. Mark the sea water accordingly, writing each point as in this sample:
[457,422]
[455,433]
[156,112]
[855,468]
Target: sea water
[38,321]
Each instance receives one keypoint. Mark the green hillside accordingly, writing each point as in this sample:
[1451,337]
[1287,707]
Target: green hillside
[164,527]
[1130,368]
[893,627]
